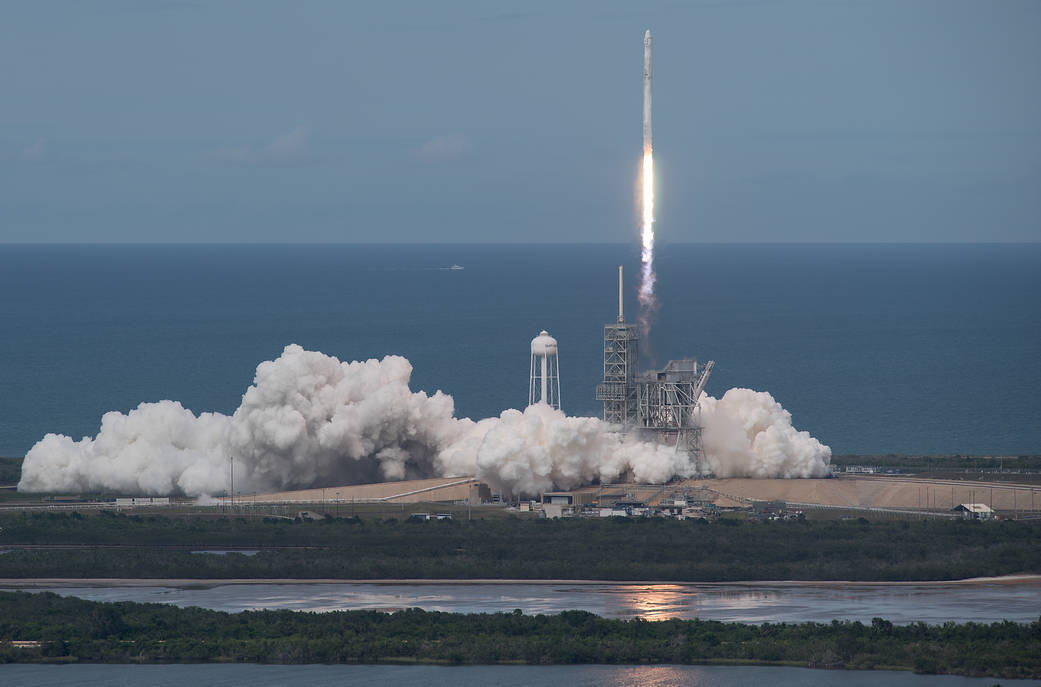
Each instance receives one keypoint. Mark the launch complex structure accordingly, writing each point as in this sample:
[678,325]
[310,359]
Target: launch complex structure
[656,405]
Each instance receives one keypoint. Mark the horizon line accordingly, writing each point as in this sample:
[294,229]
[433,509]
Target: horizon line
[517,243]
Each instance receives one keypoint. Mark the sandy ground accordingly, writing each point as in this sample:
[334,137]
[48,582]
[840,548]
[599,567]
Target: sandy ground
[31,583]
[879,492]
[886,492]
[410,491]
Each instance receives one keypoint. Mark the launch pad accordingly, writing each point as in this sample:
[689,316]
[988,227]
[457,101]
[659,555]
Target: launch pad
[656,405]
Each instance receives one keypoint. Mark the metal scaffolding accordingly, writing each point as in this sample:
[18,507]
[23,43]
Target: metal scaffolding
[621,359]
[667,405]
[618,390]
[659,405]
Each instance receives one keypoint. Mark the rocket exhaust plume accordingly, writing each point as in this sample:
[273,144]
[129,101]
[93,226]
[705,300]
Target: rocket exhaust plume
[311,420]
[647,277]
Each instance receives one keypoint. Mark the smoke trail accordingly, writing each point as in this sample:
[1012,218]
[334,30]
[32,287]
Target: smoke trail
[310,420]
[647,277]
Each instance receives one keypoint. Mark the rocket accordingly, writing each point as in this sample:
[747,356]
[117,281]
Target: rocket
[647,92]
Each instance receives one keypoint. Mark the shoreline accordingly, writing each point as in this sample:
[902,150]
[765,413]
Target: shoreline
[35,583]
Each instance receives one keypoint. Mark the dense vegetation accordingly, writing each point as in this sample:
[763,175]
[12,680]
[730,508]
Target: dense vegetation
[70,629]
[10,470]
[609,549]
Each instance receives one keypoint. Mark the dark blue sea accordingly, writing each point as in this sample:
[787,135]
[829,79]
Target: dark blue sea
[873,348]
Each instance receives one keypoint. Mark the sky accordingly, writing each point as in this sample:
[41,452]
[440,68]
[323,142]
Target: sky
[452,121]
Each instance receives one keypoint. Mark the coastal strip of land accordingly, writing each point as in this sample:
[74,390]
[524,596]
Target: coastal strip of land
[59,582]
[48,628]
[603,550]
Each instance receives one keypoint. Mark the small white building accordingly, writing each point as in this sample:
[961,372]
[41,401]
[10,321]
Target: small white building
[139,501]
[976,511]
[556,510]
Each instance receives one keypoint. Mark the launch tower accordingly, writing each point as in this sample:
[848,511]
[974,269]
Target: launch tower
[621,358]
[667,405]
[657,405]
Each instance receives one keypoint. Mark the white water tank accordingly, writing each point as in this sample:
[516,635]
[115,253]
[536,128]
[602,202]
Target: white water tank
[544,382]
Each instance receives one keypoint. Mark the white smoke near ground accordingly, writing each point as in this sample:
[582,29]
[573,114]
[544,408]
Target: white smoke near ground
[158,448]
[540,448]
[748,434]
[311,420]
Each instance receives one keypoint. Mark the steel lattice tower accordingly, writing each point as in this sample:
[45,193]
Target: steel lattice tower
[658,405]
[667,405]
[621,359]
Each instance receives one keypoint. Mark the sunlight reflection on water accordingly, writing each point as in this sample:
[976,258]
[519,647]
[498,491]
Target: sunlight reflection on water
[750,604]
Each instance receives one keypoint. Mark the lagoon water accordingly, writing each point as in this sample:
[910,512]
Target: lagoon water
[476,676]
[901,604]
[873,348]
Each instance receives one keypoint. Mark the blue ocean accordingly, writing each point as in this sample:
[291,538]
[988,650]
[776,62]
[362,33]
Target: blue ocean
[872,348]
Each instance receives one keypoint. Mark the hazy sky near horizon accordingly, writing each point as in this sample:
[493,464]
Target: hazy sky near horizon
[334,121]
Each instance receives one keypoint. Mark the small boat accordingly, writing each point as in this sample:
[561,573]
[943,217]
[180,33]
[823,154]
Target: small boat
[456,267]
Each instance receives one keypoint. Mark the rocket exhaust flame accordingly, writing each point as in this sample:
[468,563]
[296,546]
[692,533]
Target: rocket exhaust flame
[647,232]
[648,302]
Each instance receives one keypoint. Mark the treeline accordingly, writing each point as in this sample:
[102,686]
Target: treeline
[70,629]
[609,548]
[10,470]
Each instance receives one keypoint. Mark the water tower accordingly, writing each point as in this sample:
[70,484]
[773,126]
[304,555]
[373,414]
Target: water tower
[544,385]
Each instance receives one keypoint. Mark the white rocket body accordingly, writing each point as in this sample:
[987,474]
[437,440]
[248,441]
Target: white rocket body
[647,92]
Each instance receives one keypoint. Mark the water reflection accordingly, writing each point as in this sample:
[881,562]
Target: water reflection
[658,676]
[472,676]
[1019,602]
[654,601]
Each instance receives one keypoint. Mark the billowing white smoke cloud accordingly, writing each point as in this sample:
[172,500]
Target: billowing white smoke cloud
[541,448]
[309,419]
[748,434]
[158,448]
